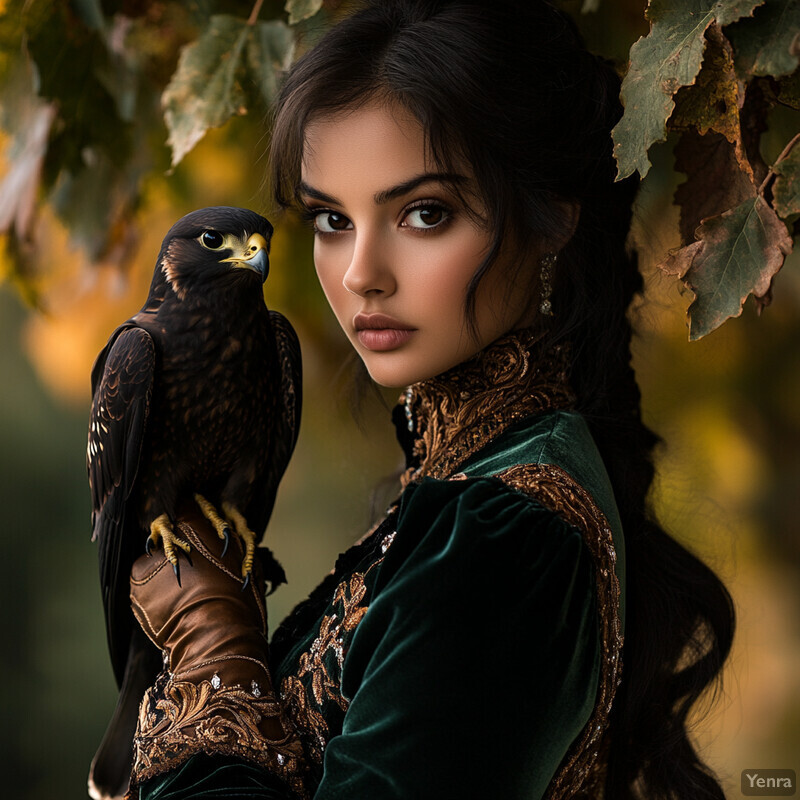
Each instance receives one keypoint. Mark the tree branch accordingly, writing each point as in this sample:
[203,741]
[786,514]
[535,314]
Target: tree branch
[251,20]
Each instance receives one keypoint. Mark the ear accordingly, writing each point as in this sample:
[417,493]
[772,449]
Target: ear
[570,213]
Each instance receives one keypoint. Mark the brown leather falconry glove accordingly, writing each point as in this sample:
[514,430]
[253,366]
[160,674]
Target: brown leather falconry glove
[215,694]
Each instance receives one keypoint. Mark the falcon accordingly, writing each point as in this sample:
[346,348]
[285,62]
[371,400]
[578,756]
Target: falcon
[196,398]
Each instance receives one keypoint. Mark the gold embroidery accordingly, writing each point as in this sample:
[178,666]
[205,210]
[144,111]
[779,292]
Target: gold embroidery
[582,771]
[458,413]
[178,719]
[307,711]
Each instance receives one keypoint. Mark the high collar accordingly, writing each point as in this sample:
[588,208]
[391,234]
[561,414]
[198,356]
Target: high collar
[443,421]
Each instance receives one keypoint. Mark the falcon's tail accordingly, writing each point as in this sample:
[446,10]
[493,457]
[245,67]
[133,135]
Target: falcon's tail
[111,767]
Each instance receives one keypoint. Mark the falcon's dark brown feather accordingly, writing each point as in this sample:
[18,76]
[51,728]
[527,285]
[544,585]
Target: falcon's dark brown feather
[122,382]
[199,392]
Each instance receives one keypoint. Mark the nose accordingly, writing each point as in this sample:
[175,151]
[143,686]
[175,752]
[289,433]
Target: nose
[369,271]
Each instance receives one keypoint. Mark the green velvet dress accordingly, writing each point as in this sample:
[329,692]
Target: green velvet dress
[469,646]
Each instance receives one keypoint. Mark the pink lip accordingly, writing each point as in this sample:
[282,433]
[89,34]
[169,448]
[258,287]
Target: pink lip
[380,332]
[383,338]
[378,322]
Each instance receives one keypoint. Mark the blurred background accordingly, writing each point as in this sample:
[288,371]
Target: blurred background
[729,470]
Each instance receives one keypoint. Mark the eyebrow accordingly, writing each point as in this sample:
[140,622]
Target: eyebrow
[385,195]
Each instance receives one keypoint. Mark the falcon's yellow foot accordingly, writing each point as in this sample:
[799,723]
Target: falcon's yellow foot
[240,523]
[220,525]
[161,528]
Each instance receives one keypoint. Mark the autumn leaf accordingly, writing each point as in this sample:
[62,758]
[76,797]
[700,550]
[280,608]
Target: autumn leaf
[786,190]
[667,58]
[204,92]
[713,103]
[715,180]
[299,10]
[737,253]
[270,49]
[763,44]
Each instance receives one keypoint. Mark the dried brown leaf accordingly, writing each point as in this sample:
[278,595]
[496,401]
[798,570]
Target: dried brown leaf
[715,181]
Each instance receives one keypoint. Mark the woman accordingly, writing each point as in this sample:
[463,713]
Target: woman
[494,635]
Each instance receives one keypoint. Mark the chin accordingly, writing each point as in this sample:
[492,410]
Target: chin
[394,371]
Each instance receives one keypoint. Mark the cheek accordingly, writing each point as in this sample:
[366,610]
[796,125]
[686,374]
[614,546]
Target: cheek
[443,271]
[330,273]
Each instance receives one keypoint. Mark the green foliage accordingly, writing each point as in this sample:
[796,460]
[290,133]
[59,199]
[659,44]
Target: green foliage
[764,44]
[668,58]
[88,86]
[302,9]
[204,92]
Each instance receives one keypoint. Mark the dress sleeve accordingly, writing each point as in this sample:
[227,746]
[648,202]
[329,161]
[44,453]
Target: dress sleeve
[478,660]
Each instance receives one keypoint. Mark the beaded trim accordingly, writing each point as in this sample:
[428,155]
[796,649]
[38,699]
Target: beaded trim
[178,719]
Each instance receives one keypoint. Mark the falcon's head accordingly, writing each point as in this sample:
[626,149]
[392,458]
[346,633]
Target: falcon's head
[219,245]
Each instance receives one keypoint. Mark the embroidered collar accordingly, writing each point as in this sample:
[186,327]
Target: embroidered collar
[443,421]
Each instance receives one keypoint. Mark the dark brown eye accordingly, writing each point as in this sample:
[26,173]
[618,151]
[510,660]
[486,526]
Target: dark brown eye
[426,217]
[213,240]
[331,222]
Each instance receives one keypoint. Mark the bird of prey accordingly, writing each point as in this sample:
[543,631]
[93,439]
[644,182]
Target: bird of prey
[195,398]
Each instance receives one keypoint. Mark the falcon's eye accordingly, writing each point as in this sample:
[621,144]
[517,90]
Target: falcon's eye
[213,240]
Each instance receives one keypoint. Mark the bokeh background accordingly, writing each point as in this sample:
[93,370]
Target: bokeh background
[728,485]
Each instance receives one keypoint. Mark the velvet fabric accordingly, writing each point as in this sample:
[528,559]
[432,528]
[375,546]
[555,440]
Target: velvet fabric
[473,657]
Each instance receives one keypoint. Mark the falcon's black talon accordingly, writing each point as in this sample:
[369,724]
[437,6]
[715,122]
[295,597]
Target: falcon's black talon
[226,532]
[246,581]
[148,546]
[177,570]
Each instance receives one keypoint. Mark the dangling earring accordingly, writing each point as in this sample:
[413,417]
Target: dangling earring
[548,261]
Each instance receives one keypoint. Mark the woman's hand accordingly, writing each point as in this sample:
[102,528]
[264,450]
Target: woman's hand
[215,694]
[209,626]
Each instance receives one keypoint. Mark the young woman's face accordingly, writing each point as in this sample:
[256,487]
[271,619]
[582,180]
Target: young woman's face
[395,250]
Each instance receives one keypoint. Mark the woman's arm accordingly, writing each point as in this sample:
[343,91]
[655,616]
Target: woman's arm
[477,663]
[473,670]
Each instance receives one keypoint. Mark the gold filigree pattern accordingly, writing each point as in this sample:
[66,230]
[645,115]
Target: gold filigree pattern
[321,665]
[582,772]
[178,719]
[458,413]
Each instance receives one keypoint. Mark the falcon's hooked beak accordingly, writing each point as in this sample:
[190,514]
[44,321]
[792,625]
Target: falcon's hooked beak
[254,256]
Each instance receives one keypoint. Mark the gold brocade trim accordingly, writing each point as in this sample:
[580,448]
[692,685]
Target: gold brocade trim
[582,771]
[304,708]
[458,413]
[179,719]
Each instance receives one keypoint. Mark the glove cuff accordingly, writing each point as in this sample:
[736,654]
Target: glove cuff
[181,718]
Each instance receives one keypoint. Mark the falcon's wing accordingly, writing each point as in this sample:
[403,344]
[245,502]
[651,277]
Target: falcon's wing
[286,421]
[291,390]
[122,384]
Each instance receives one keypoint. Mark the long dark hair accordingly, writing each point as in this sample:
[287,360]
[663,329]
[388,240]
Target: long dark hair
[509,87]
